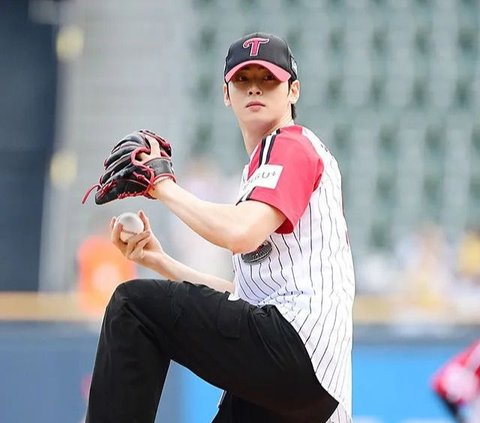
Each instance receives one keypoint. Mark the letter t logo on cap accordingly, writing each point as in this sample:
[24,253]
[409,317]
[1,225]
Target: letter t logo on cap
[254,44]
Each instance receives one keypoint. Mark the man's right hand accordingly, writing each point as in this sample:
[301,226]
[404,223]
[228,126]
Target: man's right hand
[141,248]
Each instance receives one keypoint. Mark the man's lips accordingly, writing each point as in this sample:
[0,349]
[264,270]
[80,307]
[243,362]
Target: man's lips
[255,103]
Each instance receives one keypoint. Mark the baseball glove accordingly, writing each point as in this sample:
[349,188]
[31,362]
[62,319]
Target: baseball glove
[125,176]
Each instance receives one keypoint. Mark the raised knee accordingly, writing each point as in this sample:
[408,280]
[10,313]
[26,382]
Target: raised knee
[123,293]
[123,289]
[137,289]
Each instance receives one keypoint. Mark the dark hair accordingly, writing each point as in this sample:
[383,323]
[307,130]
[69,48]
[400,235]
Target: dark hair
[293,108]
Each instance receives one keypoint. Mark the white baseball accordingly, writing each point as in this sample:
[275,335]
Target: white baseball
[132,225]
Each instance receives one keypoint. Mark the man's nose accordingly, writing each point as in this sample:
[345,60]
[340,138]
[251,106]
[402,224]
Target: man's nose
[254,89]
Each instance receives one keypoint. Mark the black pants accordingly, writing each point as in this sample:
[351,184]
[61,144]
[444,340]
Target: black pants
[253,353]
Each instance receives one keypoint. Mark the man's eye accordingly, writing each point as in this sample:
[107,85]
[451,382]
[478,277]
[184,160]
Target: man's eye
[241,78]
[269,77]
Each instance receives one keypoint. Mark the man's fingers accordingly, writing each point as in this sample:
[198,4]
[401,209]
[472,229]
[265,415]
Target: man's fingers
[116,229]
[145,220]
[154,151]
[134,240]
[155,147]
[138,252]
[133,249]
[143,157]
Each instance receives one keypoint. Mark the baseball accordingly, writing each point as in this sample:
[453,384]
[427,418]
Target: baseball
[132,225]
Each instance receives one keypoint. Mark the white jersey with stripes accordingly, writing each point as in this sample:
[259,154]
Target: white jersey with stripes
[305,268]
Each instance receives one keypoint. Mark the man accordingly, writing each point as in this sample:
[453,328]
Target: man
[457,384]
[278,339]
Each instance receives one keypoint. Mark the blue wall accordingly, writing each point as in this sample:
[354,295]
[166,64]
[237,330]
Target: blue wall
[391,383]
[43,370]
[43,367]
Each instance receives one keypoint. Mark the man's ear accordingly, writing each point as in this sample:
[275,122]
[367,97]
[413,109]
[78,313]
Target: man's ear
[294,92]
[226,96]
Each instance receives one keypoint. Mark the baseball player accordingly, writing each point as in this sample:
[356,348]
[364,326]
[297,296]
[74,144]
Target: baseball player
[278,338]
[457,384]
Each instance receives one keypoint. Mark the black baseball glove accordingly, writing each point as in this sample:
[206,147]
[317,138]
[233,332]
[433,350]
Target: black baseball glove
[125,176]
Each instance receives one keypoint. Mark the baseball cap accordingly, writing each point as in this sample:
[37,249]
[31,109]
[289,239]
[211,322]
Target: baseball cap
[262,49]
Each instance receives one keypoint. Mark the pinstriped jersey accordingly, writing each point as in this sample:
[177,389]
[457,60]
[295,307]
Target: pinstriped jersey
[305,268]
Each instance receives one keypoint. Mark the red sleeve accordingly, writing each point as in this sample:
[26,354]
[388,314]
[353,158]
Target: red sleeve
[458,380]
[300,169]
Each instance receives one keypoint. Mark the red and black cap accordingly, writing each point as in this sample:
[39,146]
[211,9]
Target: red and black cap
[262,49]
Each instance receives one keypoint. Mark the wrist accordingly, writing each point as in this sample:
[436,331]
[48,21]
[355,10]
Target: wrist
[153,260]
[161,187]
[161,263]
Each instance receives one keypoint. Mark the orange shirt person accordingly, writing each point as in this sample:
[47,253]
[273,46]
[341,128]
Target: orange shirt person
[101,268]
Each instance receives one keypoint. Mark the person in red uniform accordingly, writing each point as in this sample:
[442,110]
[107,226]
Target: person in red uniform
[457,384]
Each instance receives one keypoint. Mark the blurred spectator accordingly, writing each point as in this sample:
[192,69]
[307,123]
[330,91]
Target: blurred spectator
[457,384]
[425,263]
[465,295]
[468,257]
[101,267]
[377,274]
[427,275]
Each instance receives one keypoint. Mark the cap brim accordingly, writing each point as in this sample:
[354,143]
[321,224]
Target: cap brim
[279,73]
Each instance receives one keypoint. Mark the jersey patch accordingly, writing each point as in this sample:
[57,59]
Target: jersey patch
[260,254]
[266,176]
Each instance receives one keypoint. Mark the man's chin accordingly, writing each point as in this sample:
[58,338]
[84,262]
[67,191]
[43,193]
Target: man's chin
[258,119]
